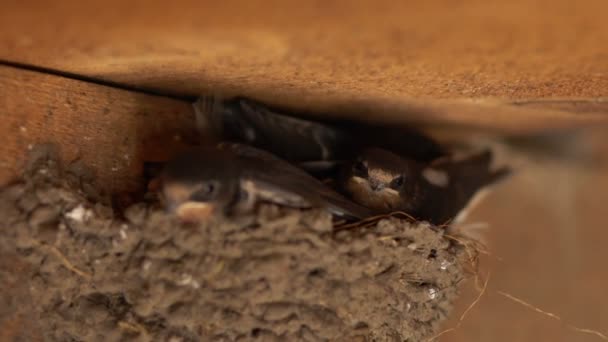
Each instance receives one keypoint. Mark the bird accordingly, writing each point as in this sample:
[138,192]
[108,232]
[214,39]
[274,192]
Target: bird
[438,192]
[232,178]
[384,168]
[314,145]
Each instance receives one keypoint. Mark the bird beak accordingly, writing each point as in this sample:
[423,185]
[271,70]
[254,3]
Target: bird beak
[193,212]
[376,186]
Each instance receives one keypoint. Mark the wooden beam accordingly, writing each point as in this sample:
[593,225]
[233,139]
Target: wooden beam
[111,130]
[401,61]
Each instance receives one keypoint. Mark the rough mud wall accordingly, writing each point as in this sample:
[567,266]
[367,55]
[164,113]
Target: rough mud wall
[80,271]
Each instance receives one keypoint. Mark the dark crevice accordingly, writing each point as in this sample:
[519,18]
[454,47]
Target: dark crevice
[65,74]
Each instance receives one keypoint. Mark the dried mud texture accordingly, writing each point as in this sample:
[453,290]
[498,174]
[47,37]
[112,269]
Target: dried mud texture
[73,270]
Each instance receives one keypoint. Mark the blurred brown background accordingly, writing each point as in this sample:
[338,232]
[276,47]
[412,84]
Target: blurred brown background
[546,235]
[111,80]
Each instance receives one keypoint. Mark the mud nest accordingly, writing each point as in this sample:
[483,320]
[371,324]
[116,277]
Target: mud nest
[72,269]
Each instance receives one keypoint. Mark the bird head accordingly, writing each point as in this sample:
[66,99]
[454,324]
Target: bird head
[198,184]
[379,180]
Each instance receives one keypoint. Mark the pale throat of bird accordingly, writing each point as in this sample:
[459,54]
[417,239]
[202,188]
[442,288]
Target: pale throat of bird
[375,184]
[376,195]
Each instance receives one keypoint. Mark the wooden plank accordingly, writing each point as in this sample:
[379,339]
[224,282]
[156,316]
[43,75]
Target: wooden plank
[110,130]
[382,60]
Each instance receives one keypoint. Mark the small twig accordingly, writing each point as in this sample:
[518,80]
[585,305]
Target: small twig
[133,327]
[481,293]
[465,312]
[466,244]
[436,337]
[588,331]
[66,262]
[473,256]
[552,315]
[374,219]
[216,270]
[474,243]
[529,306]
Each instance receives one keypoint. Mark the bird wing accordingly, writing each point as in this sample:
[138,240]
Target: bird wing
[289,137]
[284,183]
[467,178]
[295,139]
[247,151]
[476,169]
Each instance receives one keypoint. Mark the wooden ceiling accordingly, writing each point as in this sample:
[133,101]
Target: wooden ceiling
[456,62]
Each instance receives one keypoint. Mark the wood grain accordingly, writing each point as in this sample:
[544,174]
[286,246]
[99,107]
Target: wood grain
[373,60]
[110,130]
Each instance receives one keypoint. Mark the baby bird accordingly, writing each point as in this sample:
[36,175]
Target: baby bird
[233,178]
[437,192]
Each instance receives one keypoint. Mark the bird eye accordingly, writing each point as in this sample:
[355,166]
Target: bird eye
[397,182]
[205,193]
[359,168]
